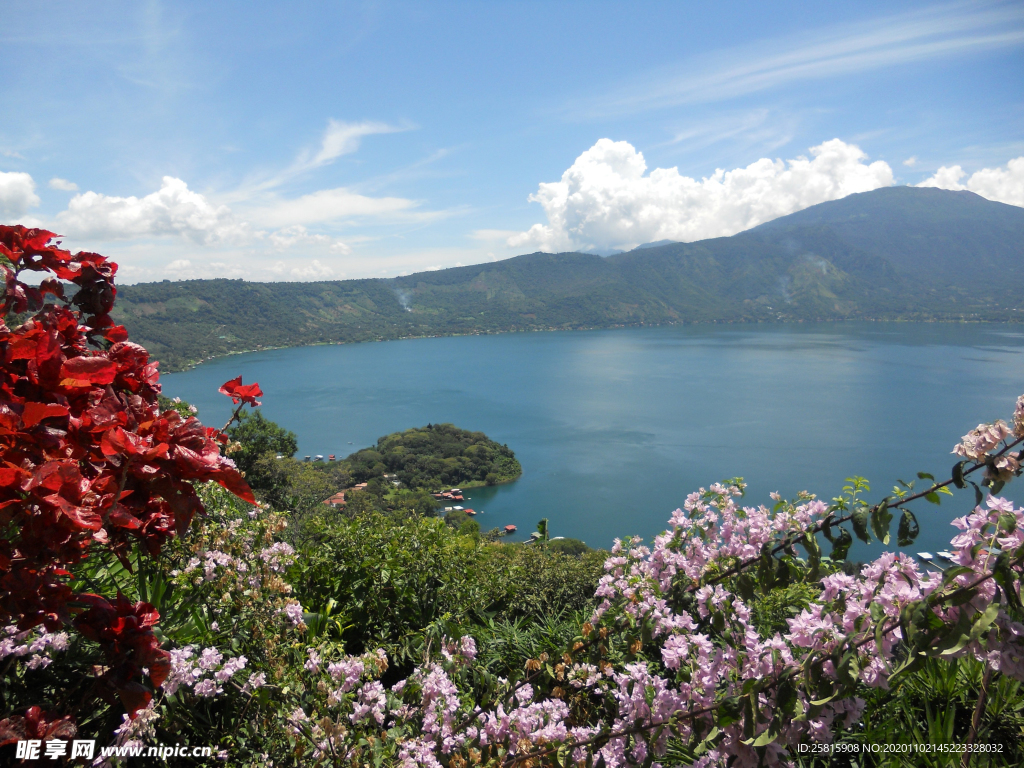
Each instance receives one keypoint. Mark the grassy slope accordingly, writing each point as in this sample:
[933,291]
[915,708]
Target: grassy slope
[895,253]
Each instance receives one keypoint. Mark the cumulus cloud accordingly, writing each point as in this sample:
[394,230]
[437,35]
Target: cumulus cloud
[604,200]
[298,236]
[312,271]
[17,195]
[62,185]
[174,209]
[1004,185]
[910,162]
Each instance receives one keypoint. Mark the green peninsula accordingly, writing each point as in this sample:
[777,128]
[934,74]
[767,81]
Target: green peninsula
[400,472]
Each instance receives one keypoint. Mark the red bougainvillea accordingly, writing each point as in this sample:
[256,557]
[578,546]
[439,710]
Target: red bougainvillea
[87,459]
[241,394]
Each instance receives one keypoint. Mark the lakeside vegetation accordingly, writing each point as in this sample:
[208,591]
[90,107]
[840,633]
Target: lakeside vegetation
[897,253]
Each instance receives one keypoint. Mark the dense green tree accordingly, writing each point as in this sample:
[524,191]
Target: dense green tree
[255,436]
[436,457]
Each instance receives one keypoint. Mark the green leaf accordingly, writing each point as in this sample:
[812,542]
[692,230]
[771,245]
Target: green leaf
[951,573]
[1007,522]
[908,530]
[786,698]
[925,476]
[745,587]
[826,531]
[881,518]
[848,670]
[958,475]
[770,734]
[782,573]
[765,570]
[1004,577]
[979,495]
[841,545]
[984,620]
[933,497]
[826,700]
[749,724]
[860,525]
[728,712]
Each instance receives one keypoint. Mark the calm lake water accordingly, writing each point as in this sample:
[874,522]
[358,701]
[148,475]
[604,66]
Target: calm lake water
[614,428]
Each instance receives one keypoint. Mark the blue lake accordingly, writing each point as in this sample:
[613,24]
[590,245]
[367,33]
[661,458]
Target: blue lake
[614,428]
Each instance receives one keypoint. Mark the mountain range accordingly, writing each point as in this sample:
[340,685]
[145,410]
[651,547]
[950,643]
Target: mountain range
[898,253]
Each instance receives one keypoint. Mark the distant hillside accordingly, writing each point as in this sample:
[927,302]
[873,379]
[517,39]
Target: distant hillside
[894,253]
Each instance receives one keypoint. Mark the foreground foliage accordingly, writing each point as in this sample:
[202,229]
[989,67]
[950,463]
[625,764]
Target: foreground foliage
[92,471]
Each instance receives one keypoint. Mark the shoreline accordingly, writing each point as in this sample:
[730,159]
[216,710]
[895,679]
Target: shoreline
[960,321]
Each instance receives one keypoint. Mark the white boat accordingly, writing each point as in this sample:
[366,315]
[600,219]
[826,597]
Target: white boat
[946,555]
[926,556]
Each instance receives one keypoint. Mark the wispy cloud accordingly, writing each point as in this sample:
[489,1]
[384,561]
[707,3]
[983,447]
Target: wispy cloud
[340,138]
[343,138]
[330,205]
[829,52]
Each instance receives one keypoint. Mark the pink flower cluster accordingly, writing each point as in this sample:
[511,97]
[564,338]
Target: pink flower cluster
[36,643]
[203,673]
[977,444]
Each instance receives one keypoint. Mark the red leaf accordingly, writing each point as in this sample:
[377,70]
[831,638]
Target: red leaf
[11,476]
[36,412]
[116,333]
[84,517]
[122,518]
[85,371]
[232,481]
[134,697]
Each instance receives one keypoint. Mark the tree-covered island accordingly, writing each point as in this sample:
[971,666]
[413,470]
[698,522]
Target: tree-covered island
[402,471]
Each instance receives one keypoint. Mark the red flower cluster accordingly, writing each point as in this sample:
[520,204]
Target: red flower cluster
[240,394]
[87,459]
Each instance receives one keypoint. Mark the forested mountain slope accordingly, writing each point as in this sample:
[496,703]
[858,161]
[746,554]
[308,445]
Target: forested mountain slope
[894,253]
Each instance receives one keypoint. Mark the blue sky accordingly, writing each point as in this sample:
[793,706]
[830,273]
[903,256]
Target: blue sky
[283,141]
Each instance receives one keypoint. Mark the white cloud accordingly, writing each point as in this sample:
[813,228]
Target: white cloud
[605,201]
[299,236]
[342,138]
[328,205]
[910,162]
[313,271]
[174,209]
[63,185]
[182,269]
[1004,185]
[829,52]
[17,195]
